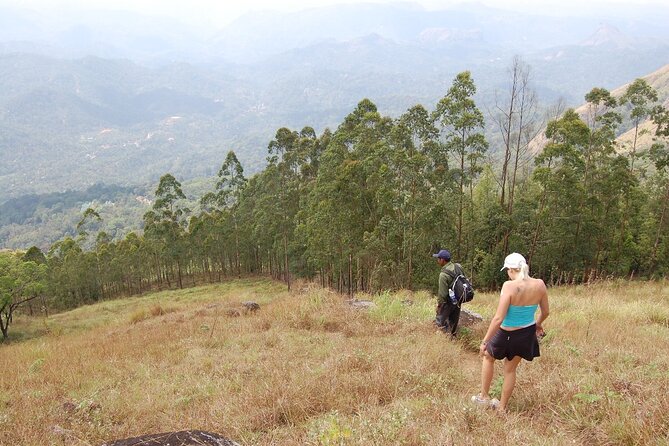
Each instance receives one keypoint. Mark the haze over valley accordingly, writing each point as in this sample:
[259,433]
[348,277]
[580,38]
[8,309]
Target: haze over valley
[118,98]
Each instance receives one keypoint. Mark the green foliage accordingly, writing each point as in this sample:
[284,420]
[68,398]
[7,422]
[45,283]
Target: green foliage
[389,307]
[41,220]
[20,282]
[330,430]
[362,209]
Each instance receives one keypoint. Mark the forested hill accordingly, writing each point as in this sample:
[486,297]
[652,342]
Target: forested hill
[18,211]
[629,132]
[363,207]
[67,124]
[70,124]
[42,219]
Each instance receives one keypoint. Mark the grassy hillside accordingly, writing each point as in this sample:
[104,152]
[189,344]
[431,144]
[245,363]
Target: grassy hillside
[659,80]
[307,369]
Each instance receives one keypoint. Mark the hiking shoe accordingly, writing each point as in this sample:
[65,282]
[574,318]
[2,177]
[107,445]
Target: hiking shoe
[479,400]
[487,402]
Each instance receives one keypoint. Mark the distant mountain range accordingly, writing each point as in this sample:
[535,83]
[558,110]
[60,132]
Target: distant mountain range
[255,36]
[120,98]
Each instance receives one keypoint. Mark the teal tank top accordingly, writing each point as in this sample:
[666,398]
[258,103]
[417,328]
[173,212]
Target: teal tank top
[519,316]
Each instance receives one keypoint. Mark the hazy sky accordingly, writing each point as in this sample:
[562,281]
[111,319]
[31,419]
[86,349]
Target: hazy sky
[220,12]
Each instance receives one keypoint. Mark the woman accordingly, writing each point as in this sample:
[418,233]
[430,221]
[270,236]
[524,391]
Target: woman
[512,334]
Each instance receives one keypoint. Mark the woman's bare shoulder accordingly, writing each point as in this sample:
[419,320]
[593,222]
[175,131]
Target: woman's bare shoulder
[511,287]
[539,284]
[507,284]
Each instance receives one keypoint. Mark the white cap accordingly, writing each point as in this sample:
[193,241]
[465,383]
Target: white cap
[514,261]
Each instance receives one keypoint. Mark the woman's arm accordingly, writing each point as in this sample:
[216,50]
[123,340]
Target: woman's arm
[500,314]
[543,312]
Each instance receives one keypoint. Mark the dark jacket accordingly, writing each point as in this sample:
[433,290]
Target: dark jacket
[445,281]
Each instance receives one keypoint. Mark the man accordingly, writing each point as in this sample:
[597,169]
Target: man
[448,313]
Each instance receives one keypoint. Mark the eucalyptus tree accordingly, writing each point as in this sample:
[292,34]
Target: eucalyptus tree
[374,246]
[603,121]
[253,210]
[659,155]
[599,202]
[164,226]
[491,224]
[414,140]
[132,263]
[515,115]
[462,125]
[610,185]
[285,160]
[223,203]
[339,219]
[559,171]
[584,186]
[105,255]
[90,215]
[640,96]
[66,272]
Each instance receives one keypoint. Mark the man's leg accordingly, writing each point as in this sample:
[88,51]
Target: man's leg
[454,318]
[442,316]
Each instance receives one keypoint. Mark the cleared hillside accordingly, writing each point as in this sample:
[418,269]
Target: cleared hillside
[659,80]
[308,369]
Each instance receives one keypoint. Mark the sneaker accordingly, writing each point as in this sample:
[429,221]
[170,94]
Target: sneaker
[487,402]
[479,400]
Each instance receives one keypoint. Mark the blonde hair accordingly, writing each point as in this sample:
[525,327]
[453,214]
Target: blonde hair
[523,271]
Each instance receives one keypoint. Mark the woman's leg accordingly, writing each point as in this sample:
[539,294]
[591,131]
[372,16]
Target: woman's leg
[487,369]
[509,380]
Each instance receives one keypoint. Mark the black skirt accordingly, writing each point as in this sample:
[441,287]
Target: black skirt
[509,344]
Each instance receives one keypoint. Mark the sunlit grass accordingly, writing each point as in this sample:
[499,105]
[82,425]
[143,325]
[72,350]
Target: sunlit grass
[310,369]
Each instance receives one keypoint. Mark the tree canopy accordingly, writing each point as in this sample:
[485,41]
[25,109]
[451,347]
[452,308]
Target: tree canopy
[363,207]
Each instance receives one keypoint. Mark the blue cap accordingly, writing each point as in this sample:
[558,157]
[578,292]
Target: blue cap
[443,254]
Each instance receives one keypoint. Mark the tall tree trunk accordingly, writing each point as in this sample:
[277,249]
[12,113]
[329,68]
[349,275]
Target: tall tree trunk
[660,224]
[181,286]
[350,274]
[462,193]
[4,324]
[285,253]
[633,153]
[537,229]
[237,262]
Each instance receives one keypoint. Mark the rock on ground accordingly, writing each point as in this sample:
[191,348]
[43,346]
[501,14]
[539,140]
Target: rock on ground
[356,303]
[182,438]
[469,318]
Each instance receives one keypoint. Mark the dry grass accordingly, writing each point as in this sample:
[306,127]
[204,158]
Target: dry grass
[307,369]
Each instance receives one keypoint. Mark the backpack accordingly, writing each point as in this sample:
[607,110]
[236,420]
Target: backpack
[461,287]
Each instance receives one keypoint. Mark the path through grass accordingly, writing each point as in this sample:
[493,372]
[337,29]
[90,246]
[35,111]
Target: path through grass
[307,369]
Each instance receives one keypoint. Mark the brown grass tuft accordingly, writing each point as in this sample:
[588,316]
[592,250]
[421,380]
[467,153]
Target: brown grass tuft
[309,369]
